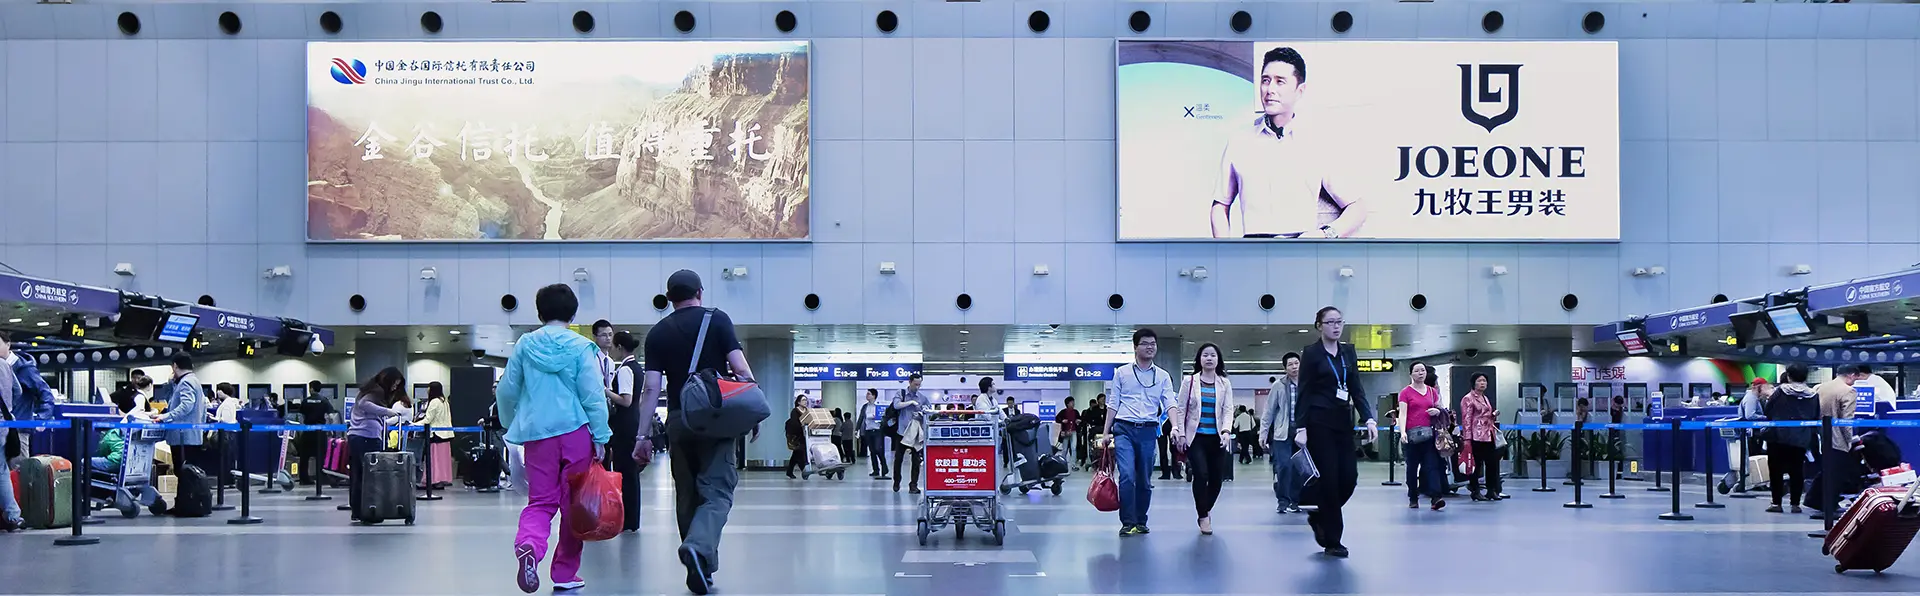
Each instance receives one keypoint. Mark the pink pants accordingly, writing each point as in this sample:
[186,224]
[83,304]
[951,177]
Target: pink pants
[549,462]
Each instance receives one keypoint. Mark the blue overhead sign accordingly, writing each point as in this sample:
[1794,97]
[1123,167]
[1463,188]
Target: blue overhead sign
[64,296]
[1857,293]
[853,372]
[1691,319]
[1060,372]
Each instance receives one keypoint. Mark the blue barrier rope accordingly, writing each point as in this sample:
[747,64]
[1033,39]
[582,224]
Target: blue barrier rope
[133,425]
[35,424]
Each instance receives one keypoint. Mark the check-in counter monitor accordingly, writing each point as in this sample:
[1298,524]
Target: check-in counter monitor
[1532,397]
[1637,397]
[1671,394]
[1565,396]
[1701,393]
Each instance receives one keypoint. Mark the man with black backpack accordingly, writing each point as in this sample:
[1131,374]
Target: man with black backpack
[703,469]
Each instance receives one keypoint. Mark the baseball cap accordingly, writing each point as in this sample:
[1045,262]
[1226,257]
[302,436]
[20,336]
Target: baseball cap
[683,285]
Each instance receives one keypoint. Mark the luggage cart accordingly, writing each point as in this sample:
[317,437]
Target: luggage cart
[123,487]
[962,468]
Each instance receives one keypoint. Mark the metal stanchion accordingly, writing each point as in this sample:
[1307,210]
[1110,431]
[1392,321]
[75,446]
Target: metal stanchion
[1613,470]
[81,429]
[1828,498]
[1673,455]
[1706,452]
[1393,455]
[319,474]
[83,515]
[1578,481]
[1538,435]
[223,473]
[1740,485]
[428,452]
[246,481]
[1657,487]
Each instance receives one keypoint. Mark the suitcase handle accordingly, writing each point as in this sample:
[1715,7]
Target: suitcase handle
[1908,509]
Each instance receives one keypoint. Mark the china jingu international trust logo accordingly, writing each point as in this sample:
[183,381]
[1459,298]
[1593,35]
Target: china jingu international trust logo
[1485,93]
[349,71]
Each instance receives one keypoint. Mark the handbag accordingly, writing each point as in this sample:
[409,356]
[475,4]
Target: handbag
[1104,492]
[1419,434]
[12,436]
[1304,467]
[597,512]
[1464,464]
[714,406]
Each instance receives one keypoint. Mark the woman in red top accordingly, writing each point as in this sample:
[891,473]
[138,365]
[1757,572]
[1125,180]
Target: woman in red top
[1426,473]
[1478,423]
[1068,421]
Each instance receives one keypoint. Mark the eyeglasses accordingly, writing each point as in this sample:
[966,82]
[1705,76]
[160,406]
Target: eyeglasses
[1333,322]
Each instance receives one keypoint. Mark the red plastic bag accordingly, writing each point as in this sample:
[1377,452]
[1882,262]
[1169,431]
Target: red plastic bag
[1104,493]
[596,511]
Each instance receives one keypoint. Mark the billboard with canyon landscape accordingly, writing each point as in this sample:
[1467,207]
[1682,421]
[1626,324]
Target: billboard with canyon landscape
[557,141]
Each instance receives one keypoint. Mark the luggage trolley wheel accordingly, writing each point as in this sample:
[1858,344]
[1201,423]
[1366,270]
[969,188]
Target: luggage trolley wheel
[409,520]
[1057,487]
[921,530]
[999,532]
[960,530]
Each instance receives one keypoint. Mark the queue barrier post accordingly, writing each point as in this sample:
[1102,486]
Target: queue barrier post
[427,453]
[223,472]
[1579,427]
[1613,470]
[1828,499]
[1673,465]
[246,480]
[1542,455]
[81,429]
[84,480]
[1706,451]
[1393,455]
[280,466]
[1657,487]
[1740,484]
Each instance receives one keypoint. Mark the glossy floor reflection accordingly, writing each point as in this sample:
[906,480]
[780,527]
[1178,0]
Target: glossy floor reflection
[855,537]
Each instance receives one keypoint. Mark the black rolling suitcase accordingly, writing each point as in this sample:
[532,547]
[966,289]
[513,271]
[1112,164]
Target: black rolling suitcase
[193,493]
[386,487]
[483,466]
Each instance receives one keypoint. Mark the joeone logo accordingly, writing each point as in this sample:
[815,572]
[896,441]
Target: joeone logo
[1486,94]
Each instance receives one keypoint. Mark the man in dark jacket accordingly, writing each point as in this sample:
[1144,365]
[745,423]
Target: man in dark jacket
[34,401]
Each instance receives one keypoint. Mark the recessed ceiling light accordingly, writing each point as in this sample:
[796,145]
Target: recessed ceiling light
[964,332]
[793,331]
[454,332]
[1493,341]
[963,342]
[1265,341]
[1416,342]
[1299,331]
[418,352]
[42,324]
[368,332]
[349,352]
[434,343]
[18,320]
[1219,331]
[1909,317]
[1236,351]
[1473,331]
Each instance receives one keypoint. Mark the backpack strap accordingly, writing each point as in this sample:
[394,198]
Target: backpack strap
[700,341]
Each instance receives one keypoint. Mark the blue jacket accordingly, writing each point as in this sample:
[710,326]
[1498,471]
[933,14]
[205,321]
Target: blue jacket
[34,400]
[553,386]
[185,405]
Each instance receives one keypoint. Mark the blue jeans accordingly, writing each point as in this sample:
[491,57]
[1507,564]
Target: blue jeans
[1133,452]
[7,505]
[1286,489]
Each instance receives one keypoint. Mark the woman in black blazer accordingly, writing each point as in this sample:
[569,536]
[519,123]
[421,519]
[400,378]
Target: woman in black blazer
[1329,393]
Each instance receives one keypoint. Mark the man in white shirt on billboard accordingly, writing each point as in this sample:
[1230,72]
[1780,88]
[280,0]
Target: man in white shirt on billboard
[1275,177]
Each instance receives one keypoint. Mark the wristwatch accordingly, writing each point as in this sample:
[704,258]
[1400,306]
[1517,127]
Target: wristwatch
[1328,231]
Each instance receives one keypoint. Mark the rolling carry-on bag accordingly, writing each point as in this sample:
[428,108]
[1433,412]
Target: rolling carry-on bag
[1875,530]
[386,487]
[193,493]
[483,467]
[46,492]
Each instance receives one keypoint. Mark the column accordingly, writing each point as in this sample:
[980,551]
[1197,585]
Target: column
[1544,360]
[772,362]
[839,394]
[1083,392]
[370,355]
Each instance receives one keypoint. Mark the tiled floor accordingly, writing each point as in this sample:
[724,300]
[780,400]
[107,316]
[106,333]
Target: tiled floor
[855,537]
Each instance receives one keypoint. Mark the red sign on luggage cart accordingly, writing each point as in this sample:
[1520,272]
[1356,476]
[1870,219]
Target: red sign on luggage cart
[960,467]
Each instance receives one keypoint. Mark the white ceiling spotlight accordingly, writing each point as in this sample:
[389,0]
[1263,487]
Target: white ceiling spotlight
[277,272]
[1194,273]
[1041,270]
[733,273]
[123,269]
[1803,270]
[1498,270]
[888,268]
[429,274]
[580,274]
[1346,272]
[1652,271]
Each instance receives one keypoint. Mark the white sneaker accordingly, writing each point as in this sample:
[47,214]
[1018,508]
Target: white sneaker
[572,585]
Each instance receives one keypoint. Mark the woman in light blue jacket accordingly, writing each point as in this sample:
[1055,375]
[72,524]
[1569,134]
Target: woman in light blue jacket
[552,403]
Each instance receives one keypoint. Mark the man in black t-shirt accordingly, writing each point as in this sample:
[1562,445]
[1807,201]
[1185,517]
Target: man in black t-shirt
[703,472]
[313,444]
[624,418]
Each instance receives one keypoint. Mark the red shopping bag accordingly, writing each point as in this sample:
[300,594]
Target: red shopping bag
[597,513]
[1104,493]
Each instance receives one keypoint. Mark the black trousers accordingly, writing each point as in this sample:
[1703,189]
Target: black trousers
[313,450]
[1208,463]
[1332,450]
[1786,471]
[1486,462]
[620,459]
[1168,463]
[357,448]
[798,461]
[876,455]
[1426,471]
[900,467]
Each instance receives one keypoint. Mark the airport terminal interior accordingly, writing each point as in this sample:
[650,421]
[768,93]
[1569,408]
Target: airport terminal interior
[1644,332]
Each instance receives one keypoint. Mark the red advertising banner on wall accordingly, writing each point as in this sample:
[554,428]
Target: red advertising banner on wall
[960,467]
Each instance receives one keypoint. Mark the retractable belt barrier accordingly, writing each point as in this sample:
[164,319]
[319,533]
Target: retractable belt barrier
[82,510]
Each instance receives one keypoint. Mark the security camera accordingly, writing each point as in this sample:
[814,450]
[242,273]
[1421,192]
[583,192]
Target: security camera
[1472,353]
[1053,325]
[123,269]
[314,345]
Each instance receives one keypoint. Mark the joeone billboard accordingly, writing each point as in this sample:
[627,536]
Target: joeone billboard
[1438,141]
